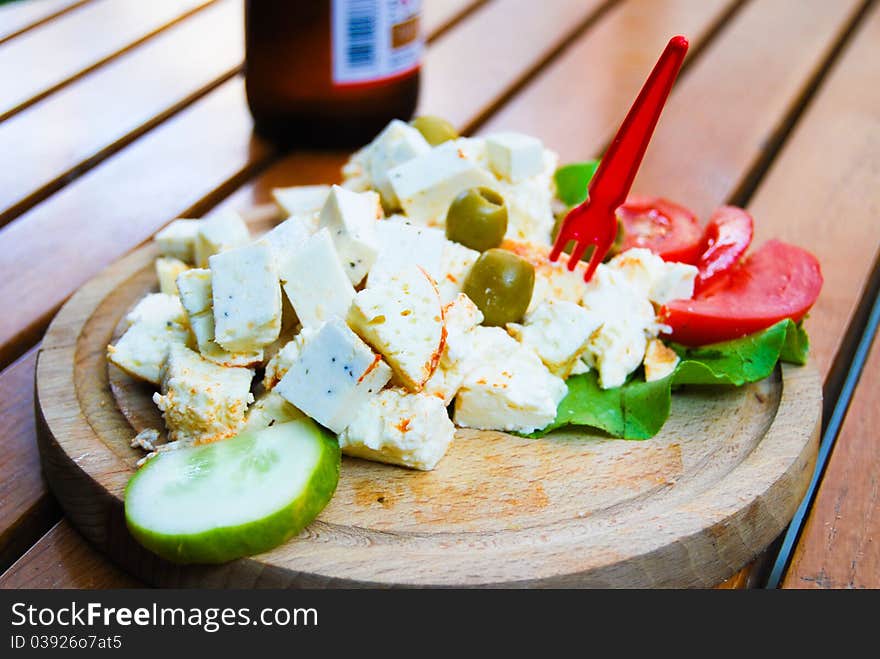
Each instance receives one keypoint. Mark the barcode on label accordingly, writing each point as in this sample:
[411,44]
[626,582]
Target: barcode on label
[374,40]
[362,15]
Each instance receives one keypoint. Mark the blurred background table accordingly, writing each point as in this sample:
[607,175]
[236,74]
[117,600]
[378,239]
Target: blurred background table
[117,116]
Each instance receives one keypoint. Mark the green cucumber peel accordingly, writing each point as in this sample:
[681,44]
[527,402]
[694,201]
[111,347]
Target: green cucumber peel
[237,497]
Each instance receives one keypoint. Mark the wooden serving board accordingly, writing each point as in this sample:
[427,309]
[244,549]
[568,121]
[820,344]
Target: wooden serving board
[687,508]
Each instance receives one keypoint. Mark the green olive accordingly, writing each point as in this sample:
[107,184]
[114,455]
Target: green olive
[500,283]
[477,218]
[434,129]
[613,251]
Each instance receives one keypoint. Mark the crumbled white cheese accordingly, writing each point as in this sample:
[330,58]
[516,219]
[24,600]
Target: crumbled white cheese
[400,428]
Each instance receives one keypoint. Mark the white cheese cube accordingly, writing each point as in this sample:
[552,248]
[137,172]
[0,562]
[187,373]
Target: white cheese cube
[402,245]
[285,358]
[268,410]
[401,317]
[427,184]
[461,316]
[178,240]
[301,200]
[529,210]
[412,430]
[350,217]
[660,360]
[219,233]
[202,402]
[196,295]
[514,156]
[396,144]
[194,287]
[334,375]
[626,320]
[142,350]
[456,261]
[287,237]
[557,331]
[154,324]
[167,269]
[247,298]
[315,281]
[658,280]
[509,388]
[158,309]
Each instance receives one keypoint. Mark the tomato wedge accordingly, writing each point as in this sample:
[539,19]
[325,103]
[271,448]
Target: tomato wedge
[775,282]
[726,238]
[667,229]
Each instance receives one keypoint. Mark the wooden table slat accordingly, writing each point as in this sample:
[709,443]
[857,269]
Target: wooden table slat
[75,128]
[440,15]
[43,59]
[18,17]
[63,559]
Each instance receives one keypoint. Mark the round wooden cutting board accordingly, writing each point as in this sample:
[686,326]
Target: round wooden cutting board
[687,508]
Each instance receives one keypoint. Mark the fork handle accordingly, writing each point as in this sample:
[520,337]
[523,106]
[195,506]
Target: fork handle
[614,178]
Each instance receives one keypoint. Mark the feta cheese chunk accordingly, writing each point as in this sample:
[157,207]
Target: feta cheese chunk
[658,280]
[660,360]
[282,361]
[402,245]
[315,281]
[156,308]
[514,156]
[287,237]
[427,184]
[461,316]
[412,430]
[627,320]
[301,200]
[219,233]
[557,331]
[509,388]
[396,144]
[202,402]
[269,409]
[196,295]
[334,375]
[456,261]
[178,240]
[350,217]
[401,318]
[154,325]
[167,269]
[247,298]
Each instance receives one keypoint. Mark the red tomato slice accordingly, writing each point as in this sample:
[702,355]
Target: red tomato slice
[727,237]
[775,282]
[667,229]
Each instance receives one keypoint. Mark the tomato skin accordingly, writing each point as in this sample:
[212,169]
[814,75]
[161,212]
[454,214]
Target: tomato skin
[775,282]
[726,238]
[667,229]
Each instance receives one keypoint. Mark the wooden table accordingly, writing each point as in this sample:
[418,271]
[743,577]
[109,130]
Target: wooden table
[117,116]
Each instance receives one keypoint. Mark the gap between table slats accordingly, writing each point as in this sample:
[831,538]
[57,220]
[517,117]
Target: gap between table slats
[20,17]
[58,52]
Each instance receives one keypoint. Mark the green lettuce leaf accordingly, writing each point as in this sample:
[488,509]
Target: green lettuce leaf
[573,180]
[638,409]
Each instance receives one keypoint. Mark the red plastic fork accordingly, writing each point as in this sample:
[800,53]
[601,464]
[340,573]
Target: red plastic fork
[594,222]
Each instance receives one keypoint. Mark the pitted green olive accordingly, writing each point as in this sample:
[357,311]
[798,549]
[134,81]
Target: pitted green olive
[434,129]
[500,283]
[477,218]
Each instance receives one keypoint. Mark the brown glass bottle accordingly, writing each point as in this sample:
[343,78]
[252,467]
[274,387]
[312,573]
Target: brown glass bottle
[300,87]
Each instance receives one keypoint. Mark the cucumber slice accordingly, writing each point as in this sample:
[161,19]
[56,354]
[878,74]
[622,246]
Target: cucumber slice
[240,496]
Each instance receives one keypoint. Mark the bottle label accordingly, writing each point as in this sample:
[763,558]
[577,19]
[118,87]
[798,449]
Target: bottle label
[375,40]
